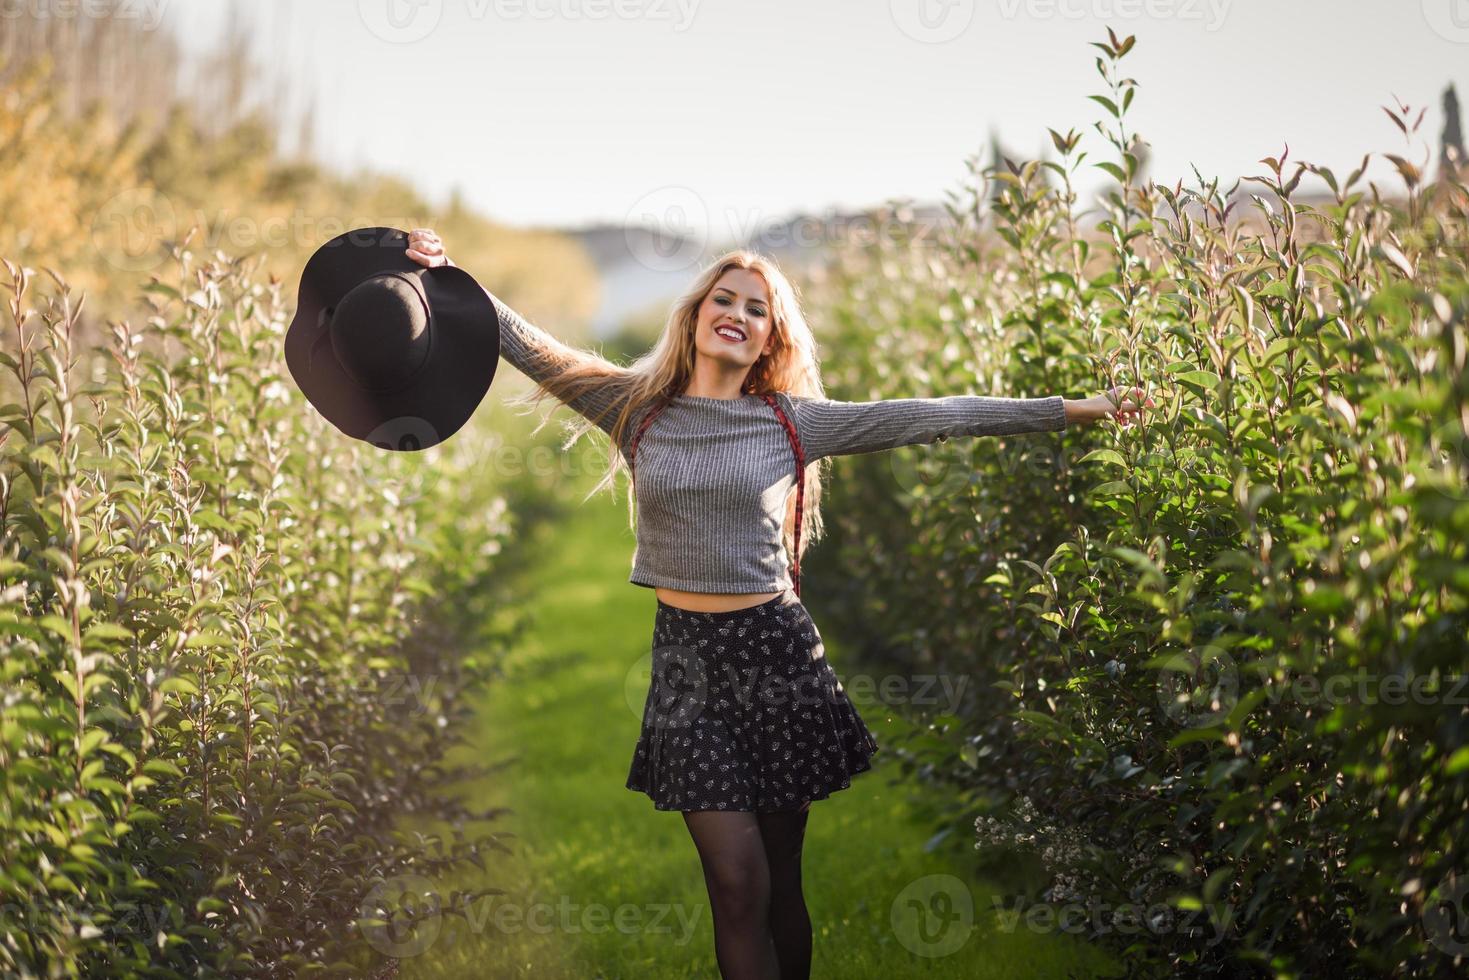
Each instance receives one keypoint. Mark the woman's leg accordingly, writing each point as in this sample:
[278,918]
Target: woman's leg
[738,878]
[790,925]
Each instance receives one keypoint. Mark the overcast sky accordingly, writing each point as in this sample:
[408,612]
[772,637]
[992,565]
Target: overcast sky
[563,112]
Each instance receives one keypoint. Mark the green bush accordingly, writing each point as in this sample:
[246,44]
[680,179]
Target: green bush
[233,643]
[1219,658]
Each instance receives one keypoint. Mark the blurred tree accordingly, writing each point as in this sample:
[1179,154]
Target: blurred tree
[111,158]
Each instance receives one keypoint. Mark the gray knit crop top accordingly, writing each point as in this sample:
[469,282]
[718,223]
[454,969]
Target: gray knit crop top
[714,474]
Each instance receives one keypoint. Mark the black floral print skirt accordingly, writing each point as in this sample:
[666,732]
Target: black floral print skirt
[744,713]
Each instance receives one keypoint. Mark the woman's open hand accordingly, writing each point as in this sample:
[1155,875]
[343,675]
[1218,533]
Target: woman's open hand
[1122,402]
[425,248]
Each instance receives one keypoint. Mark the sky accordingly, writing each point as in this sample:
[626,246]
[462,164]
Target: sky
[726,114]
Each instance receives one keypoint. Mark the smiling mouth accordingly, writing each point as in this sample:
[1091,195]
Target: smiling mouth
[725,331]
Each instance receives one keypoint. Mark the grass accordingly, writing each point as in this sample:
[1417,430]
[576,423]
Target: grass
[603,885]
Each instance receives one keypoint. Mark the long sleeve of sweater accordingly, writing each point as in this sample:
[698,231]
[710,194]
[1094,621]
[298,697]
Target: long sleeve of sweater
[523,344]
[835,428]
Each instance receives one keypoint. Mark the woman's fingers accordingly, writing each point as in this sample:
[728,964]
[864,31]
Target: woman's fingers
[1130,400]
[425,248]
[432,261]
[1124,403]
[425,241]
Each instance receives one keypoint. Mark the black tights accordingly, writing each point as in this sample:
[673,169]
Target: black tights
[752,867]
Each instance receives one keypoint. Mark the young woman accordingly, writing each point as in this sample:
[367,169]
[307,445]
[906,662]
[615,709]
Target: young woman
[745,723]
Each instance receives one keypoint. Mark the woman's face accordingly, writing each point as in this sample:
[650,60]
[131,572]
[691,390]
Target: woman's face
[740,302]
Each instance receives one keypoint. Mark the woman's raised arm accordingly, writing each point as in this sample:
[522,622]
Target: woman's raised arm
[533,351]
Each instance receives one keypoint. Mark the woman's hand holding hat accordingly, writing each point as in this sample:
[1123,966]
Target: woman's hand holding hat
[425,248]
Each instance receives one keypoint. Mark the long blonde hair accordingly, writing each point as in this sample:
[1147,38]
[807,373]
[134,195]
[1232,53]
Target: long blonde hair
[792,366]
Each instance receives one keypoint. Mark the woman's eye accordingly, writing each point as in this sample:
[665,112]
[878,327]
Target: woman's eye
[724,301]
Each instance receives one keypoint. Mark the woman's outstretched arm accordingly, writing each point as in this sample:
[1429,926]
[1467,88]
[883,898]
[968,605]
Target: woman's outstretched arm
[836,428]
[533,351]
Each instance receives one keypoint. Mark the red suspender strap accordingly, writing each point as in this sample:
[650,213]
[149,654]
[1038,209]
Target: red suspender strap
[800,473]
[633,449]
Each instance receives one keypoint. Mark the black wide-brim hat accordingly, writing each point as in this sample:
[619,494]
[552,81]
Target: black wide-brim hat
[387,350]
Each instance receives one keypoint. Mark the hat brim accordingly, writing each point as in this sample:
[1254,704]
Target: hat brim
[463,355]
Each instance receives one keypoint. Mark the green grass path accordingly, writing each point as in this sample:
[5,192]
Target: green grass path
[602,885]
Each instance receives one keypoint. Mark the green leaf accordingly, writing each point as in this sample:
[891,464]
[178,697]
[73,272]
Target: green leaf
[182,685]
[90,740]
[1104,456]
[209,638]
[1207,379]
[1213,733]
[106,631]
[56,626]
[1114,488]
[162,289]
[162,767]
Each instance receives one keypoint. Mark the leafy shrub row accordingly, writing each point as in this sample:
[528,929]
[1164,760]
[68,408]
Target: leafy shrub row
[1218,657]
[211,605]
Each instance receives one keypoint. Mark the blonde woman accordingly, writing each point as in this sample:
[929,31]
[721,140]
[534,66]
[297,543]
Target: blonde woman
[745,723]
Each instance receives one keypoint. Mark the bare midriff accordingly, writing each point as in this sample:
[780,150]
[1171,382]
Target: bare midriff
[712,601]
